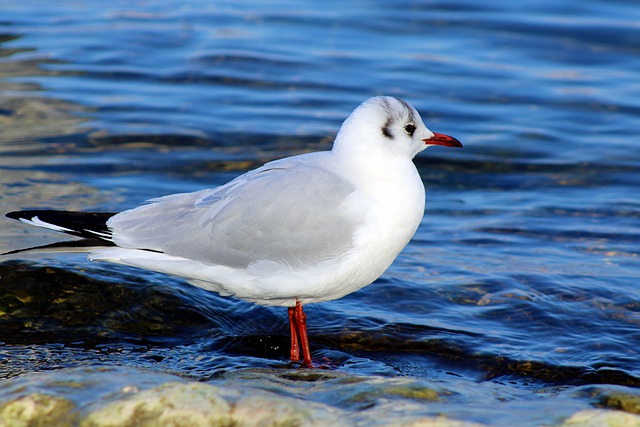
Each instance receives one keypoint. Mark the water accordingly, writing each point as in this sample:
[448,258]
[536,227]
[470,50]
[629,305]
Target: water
[523,278]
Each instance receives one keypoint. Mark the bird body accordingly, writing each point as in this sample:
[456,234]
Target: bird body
[313,236]
[298,230]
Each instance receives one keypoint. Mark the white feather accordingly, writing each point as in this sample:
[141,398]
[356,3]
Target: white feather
[39,223]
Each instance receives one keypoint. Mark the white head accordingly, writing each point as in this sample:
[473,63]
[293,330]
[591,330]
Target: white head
[388,125]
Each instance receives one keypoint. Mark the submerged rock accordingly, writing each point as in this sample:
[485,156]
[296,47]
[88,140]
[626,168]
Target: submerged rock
[173,403]
[38,410]
[119,396]
[105,397]
[124,396]
[602,418]
[622,400]
[197,404]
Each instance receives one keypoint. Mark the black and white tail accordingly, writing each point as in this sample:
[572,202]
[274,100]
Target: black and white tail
[90,226]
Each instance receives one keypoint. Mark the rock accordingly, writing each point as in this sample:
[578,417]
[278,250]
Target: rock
[120,396]
[125,396]
[266,409]
[624,401]
[174,404]
[602,418]
[198,404]
[38,410]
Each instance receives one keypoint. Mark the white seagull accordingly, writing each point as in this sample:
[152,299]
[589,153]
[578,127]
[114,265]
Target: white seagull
[303,229]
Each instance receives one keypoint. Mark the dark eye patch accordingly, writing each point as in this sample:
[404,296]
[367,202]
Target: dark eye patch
[385,129]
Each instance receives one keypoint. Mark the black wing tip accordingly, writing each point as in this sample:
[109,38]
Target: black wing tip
[83,245]
[32,213]
[60,214]
[81,224]
[16,214]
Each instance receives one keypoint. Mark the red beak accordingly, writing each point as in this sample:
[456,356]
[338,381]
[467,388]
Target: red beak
[444,140]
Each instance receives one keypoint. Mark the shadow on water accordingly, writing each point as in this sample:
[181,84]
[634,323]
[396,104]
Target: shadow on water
[109,316]
[44,304]
[54,317]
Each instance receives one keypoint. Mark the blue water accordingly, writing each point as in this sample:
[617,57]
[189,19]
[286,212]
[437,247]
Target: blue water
[525,270]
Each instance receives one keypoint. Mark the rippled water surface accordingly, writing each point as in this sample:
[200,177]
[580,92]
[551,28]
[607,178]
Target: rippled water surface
[523,277]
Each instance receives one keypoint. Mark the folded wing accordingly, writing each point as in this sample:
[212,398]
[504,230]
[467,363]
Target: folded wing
[265,215]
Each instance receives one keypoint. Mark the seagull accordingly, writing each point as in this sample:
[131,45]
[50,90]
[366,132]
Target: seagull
[303,229]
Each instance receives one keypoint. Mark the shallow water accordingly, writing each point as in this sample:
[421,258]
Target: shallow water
[523,277]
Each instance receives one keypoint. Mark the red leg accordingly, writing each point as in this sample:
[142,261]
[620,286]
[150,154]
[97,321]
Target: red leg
[295,348]
[301,324]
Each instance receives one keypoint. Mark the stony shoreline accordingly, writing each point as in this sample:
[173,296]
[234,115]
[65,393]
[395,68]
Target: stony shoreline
[125,396]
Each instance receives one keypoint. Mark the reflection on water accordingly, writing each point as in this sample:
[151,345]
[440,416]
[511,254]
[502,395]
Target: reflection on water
[523,275]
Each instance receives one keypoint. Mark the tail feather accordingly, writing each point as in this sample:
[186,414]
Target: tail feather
[89,225]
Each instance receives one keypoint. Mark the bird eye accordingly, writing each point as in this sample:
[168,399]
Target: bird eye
[410,128]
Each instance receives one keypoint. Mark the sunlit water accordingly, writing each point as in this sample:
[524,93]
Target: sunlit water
[524,272]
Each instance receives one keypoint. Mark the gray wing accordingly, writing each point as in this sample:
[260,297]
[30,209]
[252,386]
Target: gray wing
[291,212]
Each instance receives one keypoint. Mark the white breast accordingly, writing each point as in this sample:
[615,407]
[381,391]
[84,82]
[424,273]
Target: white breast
[390,210]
